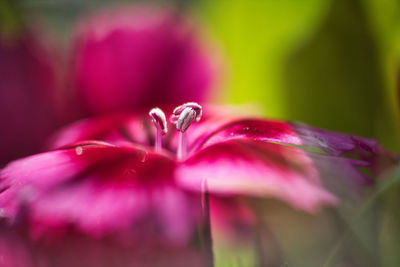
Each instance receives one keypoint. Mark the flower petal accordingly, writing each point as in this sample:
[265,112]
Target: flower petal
[338,148]
[376,159]
[334,143]
[215,129]
[118,129]
[145,57]
[258,169]
[99,189]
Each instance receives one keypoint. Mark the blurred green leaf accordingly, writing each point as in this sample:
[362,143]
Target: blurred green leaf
[336,80]
[256,37]
[10,18]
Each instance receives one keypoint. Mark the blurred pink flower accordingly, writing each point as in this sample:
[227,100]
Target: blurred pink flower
[136,57]
[27,96]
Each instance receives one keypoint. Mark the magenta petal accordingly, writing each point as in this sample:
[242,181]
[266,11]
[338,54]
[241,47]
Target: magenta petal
[338,155]
[118,129]
[215,130]
[99,189]
[145,57]
[256,168]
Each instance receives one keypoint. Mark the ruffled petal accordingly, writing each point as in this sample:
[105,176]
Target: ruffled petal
[334,154]
[217,129]
[255,168]
[99,189]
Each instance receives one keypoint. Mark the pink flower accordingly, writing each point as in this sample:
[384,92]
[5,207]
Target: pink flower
[136,57]
[123,190]
[220,140]
[243,156]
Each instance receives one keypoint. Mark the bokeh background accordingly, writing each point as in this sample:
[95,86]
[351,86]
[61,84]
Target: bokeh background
[330,63]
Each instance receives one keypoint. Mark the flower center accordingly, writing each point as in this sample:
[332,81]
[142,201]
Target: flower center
[183,116]
[159,120]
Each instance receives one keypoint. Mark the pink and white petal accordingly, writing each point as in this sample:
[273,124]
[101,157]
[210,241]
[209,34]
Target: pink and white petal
[223,123]
[108,209]
[23,179]
[337,145]
[251,128]
[99,189]
[217,129]
[259,169]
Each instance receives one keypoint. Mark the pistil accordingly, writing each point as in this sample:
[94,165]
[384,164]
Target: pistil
[183,116]
[159,120]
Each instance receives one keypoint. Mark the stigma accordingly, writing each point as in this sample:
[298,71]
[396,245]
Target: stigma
[160,121]
[183,116]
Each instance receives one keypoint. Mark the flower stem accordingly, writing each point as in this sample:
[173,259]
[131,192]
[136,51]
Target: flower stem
[206,231]
[158,143]
[159,120]
[181,154]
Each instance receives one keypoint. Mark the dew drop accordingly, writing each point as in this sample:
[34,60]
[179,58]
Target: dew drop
[79,150]
[144,157]
[246,128]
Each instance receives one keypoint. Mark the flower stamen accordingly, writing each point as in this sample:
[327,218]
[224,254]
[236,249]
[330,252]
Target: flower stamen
[159,120]
[183,116]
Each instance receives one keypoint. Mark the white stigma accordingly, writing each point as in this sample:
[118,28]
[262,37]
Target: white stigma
[160,121]
[183,116]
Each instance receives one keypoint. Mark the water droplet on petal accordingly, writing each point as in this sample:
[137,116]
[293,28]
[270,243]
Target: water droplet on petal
[144,157]
[79,150]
